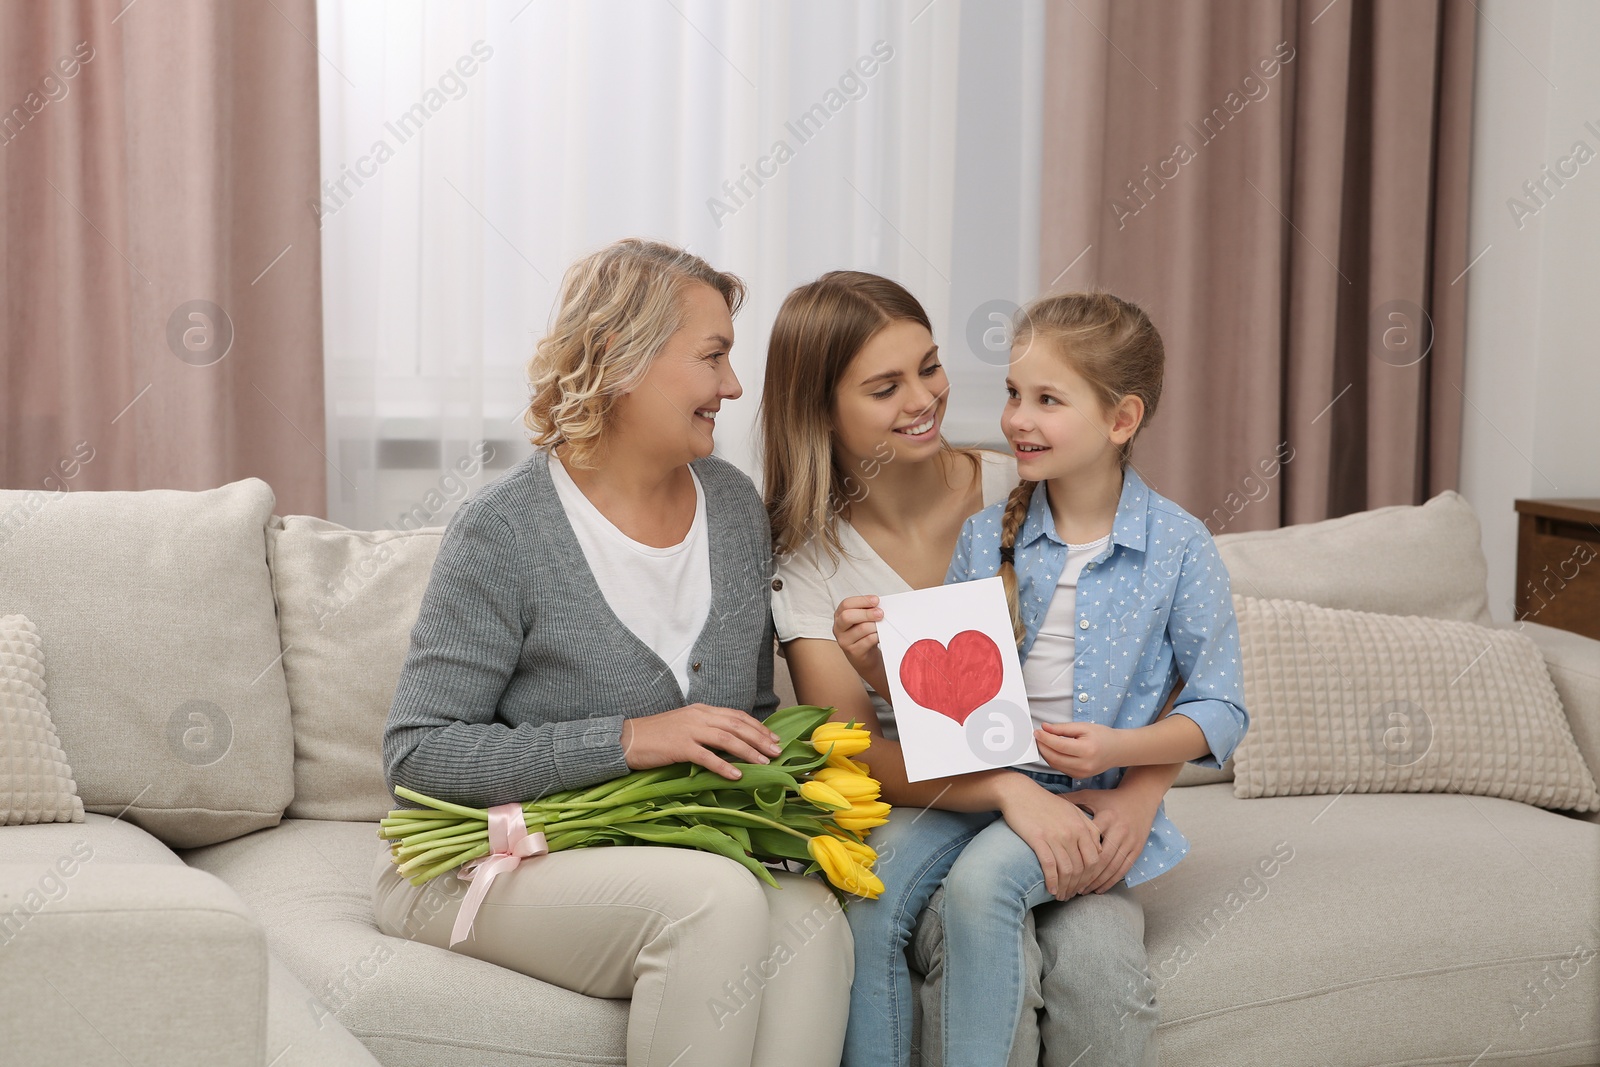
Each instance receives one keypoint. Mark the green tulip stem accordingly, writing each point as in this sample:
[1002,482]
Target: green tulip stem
[628,781]
[441,805]
[412,815]
[613,820]
[760,820]
[434,855]
[409,848]
[451,864]
[463,829]
[407,827]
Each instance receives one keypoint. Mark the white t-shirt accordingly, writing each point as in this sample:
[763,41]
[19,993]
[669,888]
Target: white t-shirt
[1047,672]
[663,595]
[813,586]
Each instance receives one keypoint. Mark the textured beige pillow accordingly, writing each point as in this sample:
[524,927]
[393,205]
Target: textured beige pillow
[1351,700]
[35,781]
[165,681]
[347,600]
[1398,560]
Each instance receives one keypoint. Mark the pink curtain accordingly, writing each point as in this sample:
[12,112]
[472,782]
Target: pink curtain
[161,266]
[1283,186]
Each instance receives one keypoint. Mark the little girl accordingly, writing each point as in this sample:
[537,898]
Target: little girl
[1116,595]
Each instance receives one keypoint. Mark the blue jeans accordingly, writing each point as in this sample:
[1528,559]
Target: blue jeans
[991,878]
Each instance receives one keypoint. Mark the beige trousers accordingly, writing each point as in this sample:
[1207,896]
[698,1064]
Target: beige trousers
[722,970]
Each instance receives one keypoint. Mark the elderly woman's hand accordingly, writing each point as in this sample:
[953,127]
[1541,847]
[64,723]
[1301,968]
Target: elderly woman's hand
[689,734]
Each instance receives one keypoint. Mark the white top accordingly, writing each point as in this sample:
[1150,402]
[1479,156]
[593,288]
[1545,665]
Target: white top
[1047,672]
[813,586]
[663,595]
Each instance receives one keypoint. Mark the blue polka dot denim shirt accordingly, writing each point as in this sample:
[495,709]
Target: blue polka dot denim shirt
[1152,607]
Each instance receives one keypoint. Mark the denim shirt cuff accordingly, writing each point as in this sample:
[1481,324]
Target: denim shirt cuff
[1219,722]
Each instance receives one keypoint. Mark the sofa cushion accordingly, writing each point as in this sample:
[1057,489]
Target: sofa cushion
[1360,930]
[298,1035]
[347,600]
[1387,929]
[1401,560]
[165,682]
[1574,664]
[1386,703]
[114,952]
[35,780]
[100,838]
[309,883]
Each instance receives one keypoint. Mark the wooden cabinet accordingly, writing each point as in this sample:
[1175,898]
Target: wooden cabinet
[1558,564]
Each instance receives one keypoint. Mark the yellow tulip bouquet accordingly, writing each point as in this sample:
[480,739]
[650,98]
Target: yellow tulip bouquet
[812,802]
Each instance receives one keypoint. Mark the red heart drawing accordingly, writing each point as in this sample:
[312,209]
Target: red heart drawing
[953,681]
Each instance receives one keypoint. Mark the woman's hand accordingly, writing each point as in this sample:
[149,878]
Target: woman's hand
[1080,749]
[1124,818]
[691,733]
[1060,835]
[855,629]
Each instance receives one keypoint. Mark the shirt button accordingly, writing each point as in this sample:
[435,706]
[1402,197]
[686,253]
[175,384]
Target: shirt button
[1083,698]
[777,584]
[1083,624]
[695,666]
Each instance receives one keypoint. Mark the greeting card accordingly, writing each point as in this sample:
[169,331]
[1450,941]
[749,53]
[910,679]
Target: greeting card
[955,679]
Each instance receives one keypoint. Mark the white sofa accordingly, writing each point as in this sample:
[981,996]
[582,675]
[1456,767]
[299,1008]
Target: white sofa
[219,678]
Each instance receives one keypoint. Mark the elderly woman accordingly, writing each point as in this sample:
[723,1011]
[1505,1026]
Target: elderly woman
[601,608]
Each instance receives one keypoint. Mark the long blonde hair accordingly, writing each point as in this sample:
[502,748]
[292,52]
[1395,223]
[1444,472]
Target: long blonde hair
[820,328]
[618,306]
[1114,347]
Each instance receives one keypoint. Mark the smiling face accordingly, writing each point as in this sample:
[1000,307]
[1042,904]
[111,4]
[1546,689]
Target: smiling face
[672,411]
[892,394]
[1054,419]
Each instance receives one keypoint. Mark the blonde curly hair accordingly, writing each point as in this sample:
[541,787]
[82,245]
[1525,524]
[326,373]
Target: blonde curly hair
[617,308]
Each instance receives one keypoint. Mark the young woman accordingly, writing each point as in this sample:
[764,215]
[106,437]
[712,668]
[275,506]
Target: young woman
[1114,592]
[603,607]
[865,493]
[866,497]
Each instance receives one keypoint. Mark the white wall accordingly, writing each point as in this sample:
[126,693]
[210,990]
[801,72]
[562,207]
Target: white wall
[1532,420]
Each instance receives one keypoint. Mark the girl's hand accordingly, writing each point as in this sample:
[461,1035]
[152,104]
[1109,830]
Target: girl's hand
[689,734]
[855,628]
[1080,749]
[1060,835]
[1124,819]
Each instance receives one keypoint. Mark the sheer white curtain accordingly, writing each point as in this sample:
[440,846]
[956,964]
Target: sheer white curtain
[472,150]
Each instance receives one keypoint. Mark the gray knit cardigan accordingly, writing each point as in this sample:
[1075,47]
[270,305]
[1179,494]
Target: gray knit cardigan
[519,673]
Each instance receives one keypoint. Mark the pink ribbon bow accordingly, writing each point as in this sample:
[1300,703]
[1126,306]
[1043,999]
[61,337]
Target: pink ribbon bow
[509,844]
